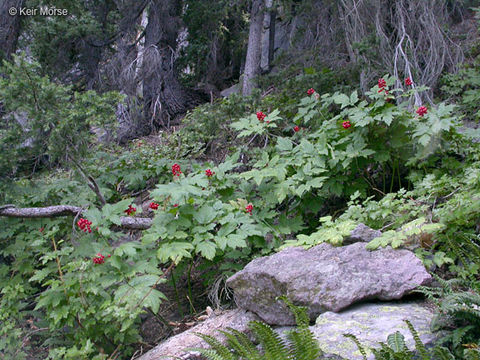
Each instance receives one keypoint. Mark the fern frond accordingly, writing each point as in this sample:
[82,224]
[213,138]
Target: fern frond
[384,353]
[303,345]
[273,345]
[442,353]
[422,351]
[300,312]
[471,354]
[210,354]
[241,348]
[246,343]
[220,349]
[396,341]
[359,346]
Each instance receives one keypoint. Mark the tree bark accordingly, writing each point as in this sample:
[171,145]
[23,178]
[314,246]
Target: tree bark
[271,36]
[254,50]
[165,98]
[9,28]
[129,222]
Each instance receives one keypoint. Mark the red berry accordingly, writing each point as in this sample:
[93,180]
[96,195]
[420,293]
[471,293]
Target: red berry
[176,171]
[296,128]
[408,81]
[130,210]
[99,259]
[382,83]
[261,116]
[249,209]
[153,206]
[310,91]
[346,124]
[84,225]
[422,110]
[175,205]
[209,173]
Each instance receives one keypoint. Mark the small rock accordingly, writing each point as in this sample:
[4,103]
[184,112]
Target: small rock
[362,233]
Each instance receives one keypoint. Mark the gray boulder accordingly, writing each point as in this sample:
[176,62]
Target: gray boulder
[325,278]
[362,233]
[371,324]
[173,348]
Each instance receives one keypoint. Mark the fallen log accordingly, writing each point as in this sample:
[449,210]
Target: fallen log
[132,223]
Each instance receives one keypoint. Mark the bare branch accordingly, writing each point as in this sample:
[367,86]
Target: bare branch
[132,223]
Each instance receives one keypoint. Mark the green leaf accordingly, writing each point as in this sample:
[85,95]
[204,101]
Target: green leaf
[207,249]
[174,251]
[284,144]
[205,214]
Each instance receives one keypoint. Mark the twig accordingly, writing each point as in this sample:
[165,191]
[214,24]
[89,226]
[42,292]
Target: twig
[92,184]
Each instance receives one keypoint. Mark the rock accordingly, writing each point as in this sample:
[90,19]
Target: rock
[325,278]
[173,348]
[362,233]
[371,323]
[234,89]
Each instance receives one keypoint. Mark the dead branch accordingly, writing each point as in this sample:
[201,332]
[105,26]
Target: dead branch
[132,223]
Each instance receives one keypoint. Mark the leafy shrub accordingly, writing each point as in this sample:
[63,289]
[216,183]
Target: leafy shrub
[46,122]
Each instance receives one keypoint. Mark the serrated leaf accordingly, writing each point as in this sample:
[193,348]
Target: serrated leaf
[207,249]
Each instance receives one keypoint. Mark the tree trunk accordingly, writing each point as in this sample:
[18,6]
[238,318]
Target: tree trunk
[254,50]
[165,98]
[271,36]
[9,28]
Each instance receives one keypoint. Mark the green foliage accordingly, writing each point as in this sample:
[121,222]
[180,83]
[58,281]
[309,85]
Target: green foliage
[299,344]
[391,170]
[396,349]
[398,238]
[217,35]
[46,122]
[69,47]
[463,88]
[458,303]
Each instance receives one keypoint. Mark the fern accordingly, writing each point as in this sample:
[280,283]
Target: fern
[472,354]
[301,344]
[422,351]
[359,346]
[218,351]
[396,342]
[442,353]
[274,346]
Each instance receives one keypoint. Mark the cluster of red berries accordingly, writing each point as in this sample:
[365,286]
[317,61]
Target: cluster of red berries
[153,206]
[261,116]
[382,85]
[422,110]
[209,173]
[84,225]
[99,259]
[296,128]
[408,81]
[310,91]
[249,208]
[176,170]
[131,210]
[346,124]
